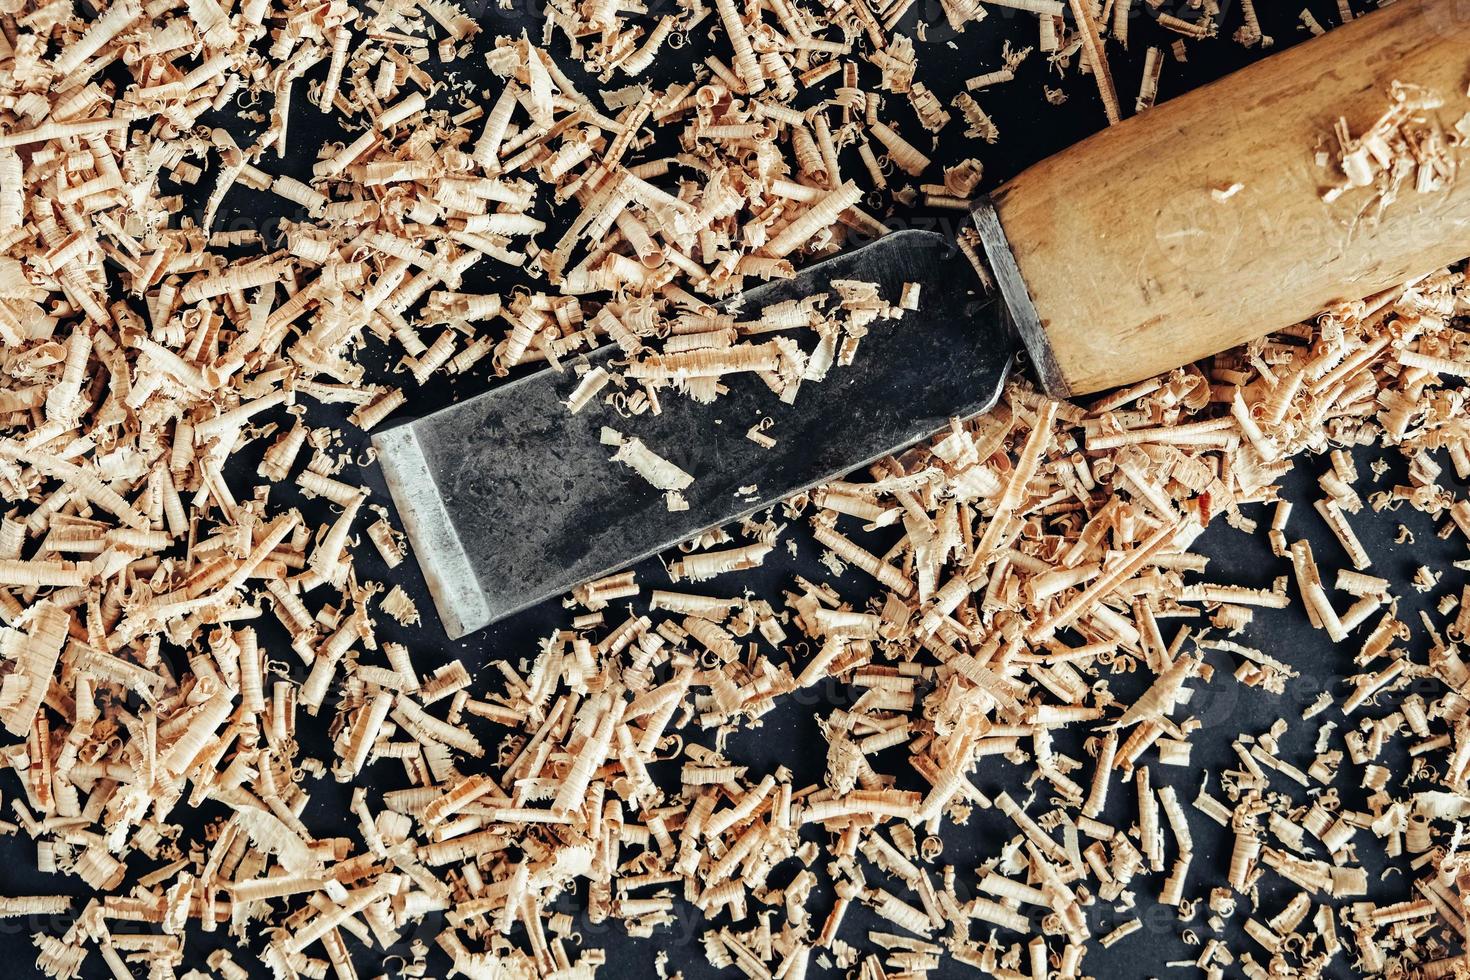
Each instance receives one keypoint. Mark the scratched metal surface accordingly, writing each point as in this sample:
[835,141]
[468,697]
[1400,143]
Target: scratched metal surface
[530,503]
[1031,128]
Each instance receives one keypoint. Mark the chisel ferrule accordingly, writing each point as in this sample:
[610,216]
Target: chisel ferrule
[1007,276]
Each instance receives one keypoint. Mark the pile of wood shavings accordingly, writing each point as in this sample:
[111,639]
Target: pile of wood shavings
[1043,547]
[1037,550]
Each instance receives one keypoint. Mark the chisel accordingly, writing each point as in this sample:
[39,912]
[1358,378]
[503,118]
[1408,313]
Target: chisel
[1196,226]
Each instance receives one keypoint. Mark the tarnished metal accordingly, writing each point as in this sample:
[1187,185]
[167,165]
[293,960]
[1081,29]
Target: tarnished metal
[1013,289]
[509,499]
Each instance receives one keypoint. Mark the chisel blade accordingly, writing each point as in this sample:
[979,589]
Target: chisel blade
[509,499]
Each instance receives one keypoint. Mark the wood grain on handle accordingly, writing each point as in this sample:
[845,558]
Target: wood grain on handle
[1135,268]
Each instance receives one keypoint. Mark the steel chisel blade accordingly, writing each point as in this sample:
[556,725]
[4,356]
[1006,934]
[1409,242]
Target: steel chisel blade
[509,499]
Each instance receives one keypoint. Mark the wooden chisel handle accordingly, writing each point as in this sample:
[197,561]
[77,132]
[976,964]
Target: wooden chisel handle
[1136,258]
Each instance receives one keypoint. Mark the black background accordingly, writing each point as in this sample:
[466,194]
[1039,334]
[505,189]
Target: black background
[1030,129]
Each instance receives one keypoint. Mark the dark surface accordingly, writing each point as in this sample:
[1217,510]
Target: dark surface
[536,505]
[1030,129]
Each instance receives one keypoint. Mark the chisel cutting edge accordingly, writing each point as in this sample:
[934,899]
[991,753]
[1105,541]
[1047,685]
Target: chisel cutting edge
[1115,260]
